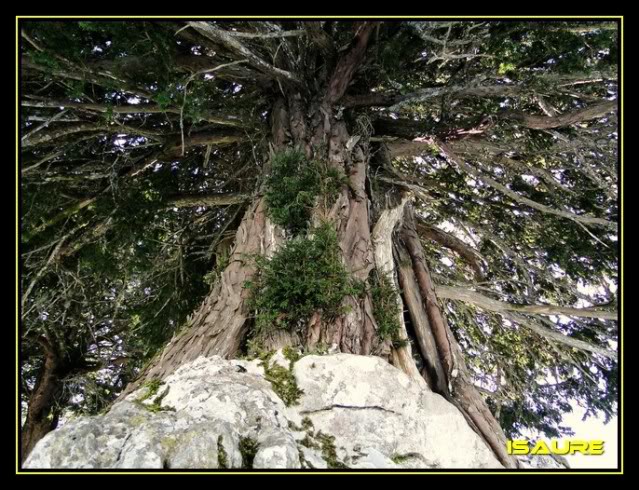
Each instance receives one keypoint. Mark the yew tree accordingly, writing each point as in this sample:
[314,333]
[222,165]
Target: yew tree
[442,194]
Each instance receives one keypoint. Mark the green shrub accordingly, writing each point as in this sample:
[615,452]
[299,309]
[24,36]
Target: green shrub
[294,185]
[305,276]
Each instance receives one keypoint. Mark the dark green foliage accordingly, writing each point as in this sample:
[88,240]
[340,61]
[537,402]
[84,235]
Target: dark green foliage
[46,60]
[295,184]
[304,277]
[546,44]
[248,449]
[113,299]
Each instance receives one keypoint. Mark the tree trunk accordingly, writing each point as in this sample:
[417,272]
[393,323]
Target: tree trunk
[313,124]
[459,388]
[220,324]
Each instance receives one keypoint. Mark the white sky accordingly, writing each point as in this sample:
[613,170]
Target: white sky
[593,428]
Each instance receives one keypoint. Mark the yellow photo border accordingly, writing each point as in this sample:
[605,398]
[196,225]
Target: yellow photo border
[619,471]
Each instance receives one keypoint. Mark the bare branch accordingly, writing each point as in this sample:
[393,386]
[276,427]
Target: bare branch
[584,218]
[465,251]
[348,63]
[223,120]
[206,200]
[594,111]
[469,296]
[266,35]
[219,35]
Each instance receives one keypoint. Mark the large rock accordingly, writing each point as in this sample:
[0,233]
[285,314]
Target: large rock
[355,412]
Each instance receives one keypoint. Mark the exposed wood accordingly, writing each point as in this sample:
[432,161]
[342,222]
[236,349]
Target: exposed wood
[382,238]
[460,385]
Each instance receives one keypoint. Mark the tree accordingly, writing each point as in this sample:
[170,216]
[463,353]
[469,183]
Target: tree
[440,194]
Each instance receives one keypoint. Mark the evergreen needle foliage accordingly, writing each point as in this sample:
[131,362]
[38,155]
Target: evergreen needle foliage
[305,276]
[294,186]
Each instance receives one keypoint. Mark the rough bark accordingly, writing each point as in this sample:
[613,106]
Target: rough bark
[222,322]
[465,251]
[433,370]
[460,388]
[218,326]
[594,111]
[230,42]
[469,296]
[402,356]
[220,199]
[348,63]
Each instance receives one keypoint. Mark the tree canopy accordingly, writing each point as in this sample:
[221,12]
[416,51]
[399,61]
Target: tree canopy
[143,142]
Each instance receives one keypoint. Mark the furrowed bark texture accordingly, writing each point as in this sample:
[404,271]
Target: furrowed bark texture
[402,356]
[390,244]
[460,388]
[218,326]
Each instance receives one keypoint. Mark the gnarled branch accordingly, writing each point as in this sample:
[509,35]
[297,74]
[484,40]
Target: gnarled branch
[229,41]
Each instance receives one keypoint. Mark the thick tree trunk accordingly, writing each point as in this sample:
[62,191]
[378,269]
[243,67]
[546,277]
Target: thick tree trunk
[221,323]
[391,245]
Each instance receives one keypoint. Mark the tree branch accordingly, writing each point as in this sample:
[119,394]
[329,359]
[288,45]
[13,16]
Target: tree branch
[206,200]
[465,251]
[267,35]
[469,296]
[594,111]
[221,36]
[583,219]
[348,63]
[396,101]
[224,120]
